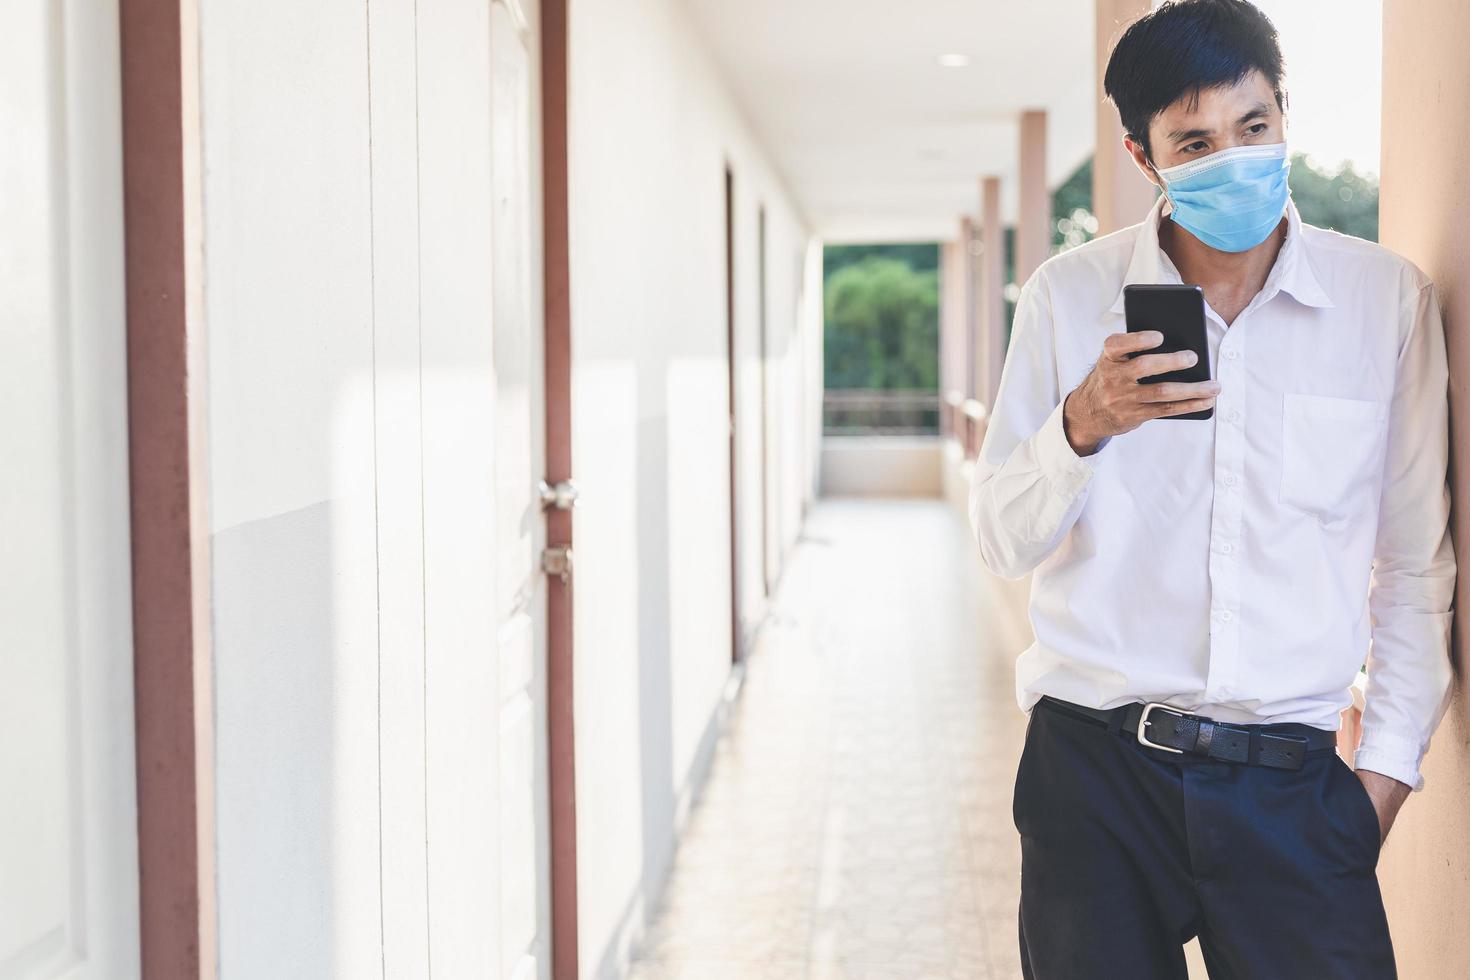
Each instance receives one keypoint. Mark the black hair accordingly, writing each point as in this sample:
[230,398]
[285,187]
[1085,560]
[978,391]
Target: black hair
[1182,47]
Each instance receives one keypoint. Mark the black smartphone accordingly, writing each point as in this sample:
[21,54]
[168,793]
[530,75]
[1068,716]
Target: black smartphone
[1177,312]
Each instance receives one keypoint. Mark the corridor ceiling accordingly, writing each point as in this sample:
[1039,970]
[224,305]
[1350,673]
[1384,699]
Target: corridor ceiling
[876,139]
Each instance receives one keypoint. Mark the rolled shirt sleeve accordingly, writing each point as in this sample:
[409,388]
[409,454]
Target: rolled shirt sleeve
[1028,485]
[1413,577]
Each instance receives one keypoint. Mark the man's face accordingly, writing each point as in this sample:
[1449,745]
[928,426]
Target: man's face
[1242,114]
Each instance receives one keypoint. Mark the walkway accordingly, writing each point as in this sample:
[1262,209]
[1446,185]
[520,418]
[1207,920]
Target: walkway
[856,822]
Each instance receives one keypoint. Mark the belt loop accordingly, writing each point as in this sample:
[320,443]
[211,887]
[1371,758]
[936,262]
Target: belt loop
[1115,720]
[1253,756]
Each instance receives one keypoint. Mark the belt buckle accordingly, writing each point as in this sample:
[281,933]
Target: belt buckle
[1143,725]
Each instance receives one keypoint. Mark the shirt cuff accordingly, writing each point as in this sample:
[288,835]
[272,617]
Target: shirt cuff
[1393,759]
[1067,471]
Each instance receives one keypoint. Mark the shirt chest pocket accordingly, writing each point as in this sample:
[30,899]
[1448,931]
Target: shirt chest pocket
[1332,455]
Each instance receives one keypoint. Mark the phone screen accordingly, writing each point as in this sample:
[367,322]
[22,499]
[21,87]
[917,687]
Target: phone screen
[1177,312]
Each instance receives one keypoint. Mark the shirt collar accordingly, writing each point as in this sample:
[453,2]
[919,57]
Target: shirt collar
[1292,273]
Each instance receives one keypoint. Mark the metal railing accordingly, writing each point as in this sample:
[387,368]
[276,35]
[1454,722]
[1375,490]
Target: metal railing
[878,412]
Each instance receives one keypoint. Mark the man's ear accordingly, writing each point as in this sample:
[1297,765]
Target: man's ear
[1140,158]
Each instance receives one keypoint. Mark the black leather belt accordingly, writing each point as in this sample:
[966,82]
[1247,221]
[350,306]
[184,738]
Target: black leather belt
[1158,726]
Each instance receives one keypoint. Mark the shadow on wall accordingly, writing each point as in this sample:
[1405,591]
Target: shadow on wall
[298,704]
[655,671]
[273,662]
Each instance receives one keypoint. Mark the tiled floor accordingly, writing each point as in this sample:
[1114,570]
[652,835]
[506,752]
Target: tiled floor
[857,822]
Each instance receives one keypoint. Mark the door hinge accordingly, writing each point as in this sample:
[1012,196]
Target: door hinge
[557,561]
[563,496]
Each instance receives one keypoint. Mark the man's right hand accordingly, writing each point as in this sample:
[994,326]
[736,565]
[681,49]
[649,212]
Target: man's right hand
[1110,400]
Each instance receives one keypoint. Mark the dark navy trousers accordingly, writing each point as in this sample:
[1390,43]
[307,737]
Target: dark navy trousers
[1128,852]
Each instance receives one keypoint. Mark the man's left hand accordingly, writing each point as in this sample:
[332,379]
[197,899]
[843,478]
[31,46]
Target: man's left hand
[1387,794]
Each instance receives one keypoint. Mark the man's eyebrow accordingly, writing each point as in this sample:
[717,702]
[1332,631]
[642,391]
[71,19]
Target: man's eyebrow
[1188,134]
[1256,111]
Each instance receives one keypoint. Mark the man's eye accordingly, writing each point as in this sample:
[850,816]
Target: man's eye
[1194,147]
[1257,129]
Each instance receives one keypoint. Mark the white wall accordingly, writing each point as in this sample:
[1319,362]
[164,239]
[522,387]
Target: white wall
[360,432]
[68,818]
[652,127]
[289,312]
[882,466]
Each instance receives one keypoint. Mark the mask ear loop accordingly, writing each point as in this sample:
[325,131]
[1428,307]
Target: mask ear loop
[1160,183]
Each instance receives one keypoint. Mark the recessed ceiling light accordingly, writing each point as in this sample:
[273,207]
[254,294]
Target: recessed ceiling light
[954,60]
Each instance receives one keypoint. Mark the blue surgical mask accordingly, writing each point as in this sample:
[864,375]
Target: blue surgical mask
[1231,200]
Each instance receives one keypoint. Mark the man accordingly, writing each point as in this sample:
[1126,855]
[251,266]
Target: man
[1204,591]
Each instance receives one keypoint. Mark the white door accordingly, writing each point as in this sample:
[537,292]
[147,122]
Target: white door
[68,829]
[484,530]
[520,595]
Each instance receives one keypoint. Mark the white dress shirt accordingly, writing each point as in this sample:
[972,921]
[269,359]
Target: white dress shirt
[1237,566]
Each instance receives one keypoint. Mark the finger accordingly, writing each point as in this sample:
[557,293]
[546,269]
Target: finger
[1119,345]
[1183,408]
[1148,365]
[1174,391]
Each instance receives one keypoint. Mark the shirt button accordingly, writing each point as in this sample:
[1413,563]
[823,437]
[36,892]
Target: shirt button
[1232,353]
[1234,415]
[1226,548]
[1230,479]
[1227,615]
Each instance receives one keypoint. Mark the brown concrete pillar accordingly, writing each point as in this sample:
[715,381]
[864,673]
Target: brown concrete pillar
[990,297]
[1121,196]
[1424,207]
[953,349]
[1033,217]
[968,305]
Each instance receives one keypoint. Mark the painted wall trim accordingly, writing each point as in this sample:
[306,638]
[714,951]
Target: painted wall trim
[737,639]
[561,733]
[172,662]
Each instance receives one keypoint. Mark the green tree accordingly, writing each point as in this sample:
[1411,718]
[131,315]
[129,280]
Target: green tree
[1071,210]
[882,325]
[1344,199]
[921,256]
